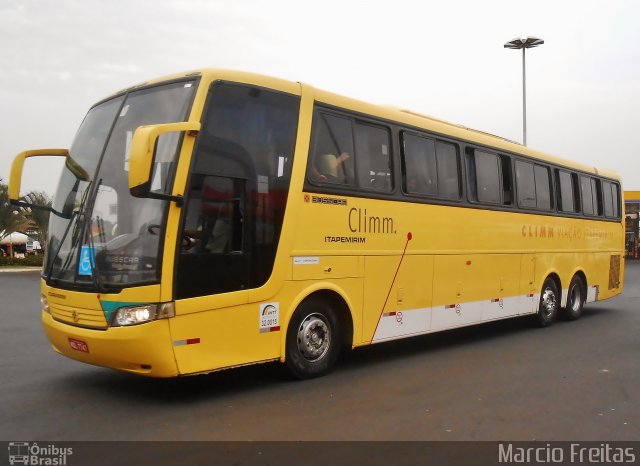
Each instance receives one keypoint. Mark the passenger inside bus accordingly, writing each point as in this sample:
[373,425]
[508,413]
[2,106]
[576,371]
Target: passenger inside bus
[329,168]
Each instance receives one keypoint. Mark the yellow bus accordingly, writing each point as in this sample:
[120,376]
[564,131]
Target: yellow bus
[215,219]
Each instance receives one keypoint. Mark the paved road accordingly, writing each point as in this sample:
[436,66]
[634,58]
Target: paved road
[505,380]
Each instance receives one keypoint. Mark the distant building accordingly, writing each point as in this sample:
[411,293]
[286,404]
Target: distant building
[632,210]
[14,244]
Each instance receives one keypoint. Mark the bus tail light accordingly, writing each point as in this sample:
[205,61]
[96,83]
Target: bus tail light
[134,315]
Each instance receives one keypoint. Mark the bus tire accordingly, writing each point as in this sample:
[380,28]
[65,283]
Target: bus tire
[313,340]
[549,303]
[575,299]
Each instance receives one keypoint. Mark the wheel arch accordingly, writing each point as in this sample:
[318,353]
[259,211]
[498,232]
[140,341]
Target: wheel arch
[576,272]
[555,276]
[333,296]
[570,309]
[579,272]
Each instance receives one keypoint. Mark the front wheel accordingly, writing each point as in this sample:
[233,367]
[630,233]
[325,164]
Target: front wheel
[575,299]
[549,303]
[313,340]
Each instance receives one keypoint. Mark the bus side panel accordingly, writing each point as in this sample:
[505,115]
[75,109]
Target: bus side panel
[528,288]
[607,274]
[603,271]
[470,289]
[397,296]
[225,337]
[502,286]
[244,334]
[560,264]
[295,292]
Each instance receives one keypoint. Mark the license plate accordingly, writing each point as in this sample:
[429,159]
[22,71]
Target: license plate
[78,345]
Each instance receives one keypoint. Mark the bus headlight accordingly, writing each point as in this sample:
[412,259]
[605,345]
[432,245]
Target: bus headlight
[140,314]
[44,304]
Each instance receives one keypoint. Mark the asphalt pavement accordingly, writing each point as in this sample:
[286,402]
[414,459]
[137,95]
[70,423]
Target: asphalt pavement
[504,380]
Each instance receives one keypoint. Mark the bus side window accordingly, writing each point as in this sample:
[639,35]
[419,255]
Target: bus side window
[507,180]
[587,195]
[611,196]
[596,191]
[484,176]
[237,193]
[214,215]
[534,186]
[575,183]
[448,165]
[212,245]
[373,157]
[419,165]
[615,191]
[525,179]
[332,159]
[566,192]
[543,187]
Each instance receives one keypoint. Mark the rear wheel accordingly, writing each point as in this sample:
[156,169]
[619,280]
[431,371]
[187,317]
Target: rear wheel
[549,303]
[575,299]
[313,340]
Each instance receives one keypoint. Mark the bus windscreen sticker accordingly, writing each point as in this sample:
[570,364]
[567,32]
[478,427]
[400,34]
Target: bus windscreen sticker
[87,259]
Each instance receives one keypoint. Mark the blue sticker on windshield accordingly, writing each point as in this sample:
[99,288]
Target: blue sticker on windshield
[87,259]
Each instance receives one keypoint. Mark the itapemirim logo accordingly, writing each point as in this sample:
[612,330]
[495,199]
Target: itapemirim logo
[30,453]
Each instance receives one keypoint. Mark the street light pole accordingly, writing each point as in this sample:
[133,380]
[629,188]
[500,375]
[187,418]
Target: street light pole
[524,43]
[524,98]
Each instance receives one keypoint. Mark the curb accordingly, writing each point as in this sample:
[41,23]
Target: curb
[20,269]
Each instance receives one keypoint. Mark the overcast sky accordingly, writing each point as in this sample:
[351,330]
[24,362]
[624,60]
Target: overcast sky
[444,59]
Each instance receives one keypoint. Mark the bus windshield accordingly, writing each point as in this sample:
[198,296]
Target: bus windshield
[100,235]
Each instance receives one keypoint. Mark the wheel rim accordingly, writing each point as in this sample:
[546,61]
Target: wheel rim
[314,337]
[548,302]
[576,298]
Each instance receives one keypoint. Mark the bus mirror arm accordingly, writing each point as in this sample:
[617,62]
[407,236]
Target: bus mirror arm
[179,200]
[15,178]
[142,157]
[46,208]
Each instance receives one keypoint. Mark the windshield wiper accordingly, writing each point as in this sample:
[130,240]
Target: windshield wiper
[95,276]
[74,215]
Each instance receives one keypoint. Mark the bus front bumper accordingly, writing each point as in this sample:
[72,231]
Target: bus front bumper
[140,349]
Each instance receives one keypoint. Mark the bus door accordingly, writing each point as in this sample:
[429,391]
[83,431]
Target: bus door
[213,255]
[232,218]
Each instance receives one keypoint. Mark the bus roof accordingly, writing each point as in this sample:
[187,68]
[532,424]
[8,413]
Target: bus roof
[394,114]
[456,131]
[225,75]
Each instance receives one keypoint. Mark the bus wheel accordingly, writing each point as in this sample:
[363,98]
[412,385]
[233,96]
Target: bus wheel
[549,303]
[313,340]
[575,299]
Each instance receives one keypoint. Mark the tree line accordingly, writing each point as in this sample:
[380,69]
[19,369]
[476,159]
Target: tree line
[15,218]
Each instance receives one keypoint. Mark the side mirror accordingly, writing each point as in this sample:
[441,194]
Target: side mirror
[143,152]
[15,179]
